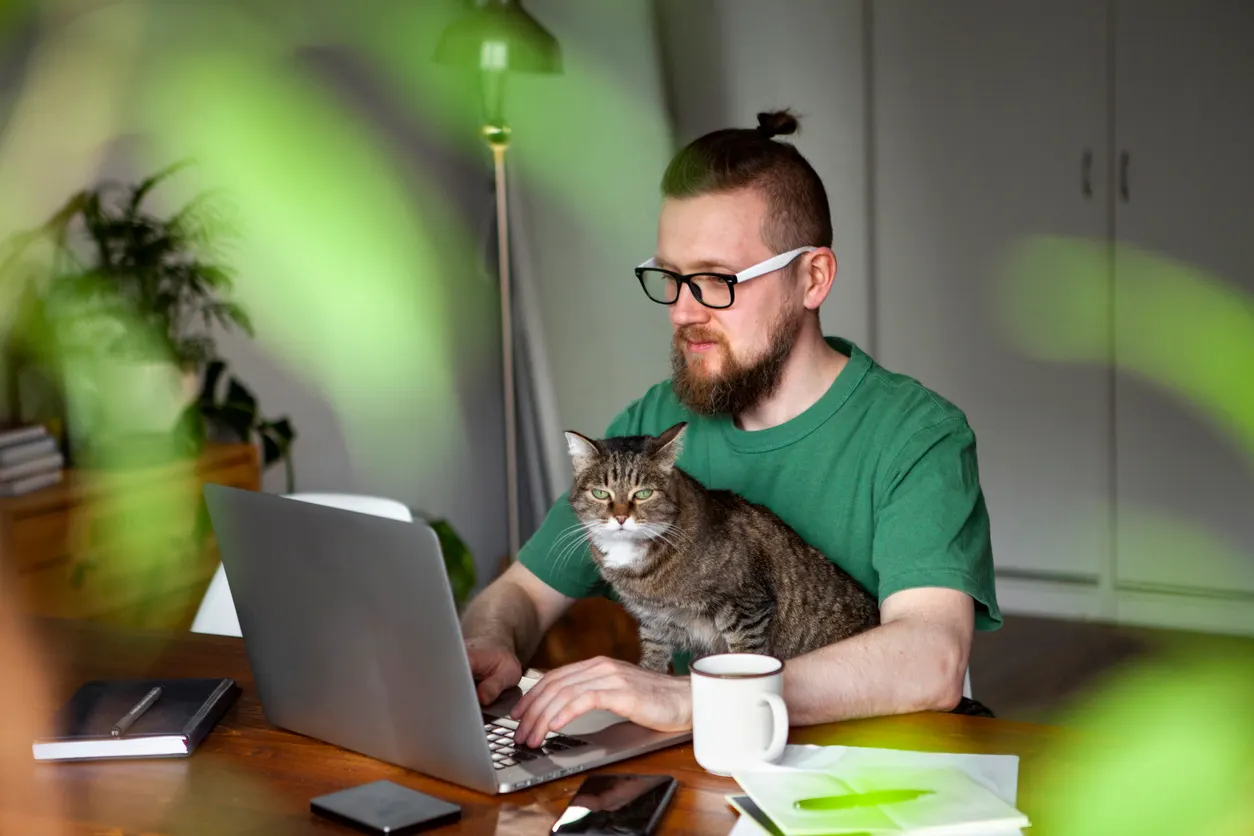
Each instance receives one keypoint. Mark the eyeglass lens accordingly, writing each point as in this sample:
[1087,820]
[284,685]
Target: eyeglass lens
[709,289]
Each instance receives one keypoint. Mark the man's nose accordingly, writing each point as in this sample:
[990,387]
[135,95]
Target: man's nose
[687,310]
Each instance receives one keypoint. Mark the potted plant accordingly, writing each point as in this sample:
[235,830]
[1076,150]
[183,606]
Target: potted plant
[122,316]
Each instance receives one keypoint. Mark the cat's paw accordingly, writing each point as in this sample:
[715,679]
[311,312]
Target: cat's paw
[737,645]
[661,665]
[655,658]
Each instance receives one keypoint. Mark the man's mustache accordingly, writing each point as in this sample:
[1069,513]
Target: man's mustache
[698,334]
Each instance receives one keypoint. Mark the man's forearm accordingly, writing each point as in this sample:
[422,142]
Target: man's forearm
[504,613]
[896,668]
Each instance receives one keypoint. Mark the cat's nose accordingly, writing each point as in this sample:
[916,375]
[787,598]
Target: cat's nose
[621,520]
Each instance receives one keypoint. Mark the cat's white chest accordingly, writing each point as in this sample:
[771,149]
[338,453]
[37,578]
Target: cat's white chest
[622,554]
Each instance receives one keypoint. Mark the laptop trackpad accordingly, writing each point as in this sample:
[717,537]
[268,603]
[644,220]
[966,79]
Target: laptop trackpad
[590,723]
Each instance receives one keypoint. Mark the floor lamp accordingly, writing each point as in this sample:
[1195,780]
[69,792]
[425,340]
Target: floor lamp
[496,38]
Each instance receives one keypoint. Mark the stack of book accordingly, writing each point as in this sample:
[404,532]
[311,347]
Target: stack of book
[29,460]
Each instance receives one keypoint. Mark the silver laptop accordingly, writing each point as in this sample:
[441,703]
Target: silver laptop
[353,638]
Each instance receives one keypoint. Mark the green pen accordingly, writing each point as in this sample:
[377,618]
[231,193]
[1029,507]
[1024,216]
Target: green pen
[863,799]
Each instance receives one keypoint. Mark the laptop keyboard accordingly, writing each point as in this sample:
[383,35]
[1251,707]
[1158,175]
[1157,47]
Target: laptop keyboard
[505,752]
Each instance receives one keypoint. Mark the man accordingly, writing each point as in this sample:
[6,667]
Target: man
[868,466]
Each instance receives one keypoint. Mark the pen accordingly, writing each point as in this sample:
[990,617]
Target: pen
[866,799]
[131,716]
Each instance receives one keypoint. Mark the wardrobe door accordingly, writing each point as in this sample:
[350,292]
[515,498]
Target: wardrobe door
[1184,303]
[989,128]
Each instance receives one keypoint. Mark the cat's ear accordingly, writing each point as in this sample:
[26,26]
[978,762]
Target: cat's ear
[670,444]
[583,450]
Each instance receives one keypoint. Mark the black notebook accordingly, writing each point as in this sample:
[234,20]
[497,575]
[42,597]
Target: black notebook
[173,726]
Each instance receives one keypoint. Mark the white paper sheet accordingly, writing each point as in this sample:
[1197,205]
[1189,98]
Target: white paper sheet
[998,773]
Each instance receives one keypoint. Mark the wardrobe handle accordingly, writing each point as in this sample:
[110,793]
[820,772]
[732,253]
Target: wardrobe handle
[1124,159]
[1086,174]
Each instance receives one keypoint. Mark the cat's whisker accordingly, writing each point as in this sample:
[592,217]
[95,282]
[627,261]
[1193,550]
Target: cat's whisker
[669,533]
[681,535]
[678,546]
[579,537]
[563,557]
[574,533]
[569,537]
[570,529]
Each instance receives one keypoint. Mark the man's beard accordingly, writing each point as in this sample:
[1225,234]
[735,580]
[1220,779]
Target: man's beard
[738,386]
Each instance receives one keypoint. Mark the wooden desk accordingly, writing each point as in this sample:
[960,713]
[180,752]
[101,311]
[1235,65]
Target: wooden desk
[252,779]
[121,547]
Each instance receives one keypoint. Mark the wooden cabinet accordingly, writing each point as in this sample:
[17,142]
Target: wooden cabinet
[131,548]
[1119,479]
[1184,127]
[990,125]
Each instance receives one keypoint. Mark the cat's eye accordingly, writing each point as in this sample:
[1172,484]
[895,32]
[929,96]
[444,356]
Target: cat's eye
[644,494]
[600,494]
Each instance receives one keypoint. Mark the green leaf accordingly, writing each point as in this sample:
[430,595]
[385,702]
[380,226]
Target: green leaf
[276,440]
[213,373]
[458,561]
[239,397]
[283,430]
[271,452]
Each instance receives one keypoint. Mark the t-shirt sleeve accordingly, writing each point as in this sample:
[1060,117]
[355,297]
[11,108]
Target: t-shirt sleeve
[558,552]
[931,522]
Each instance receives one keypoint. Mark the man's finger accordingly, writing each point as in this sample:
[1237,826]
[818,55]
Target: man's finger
[491,687]
[553,679]
[543,723]
[608,699]
[488,691]
[498,677]
[572,676]
[563,712]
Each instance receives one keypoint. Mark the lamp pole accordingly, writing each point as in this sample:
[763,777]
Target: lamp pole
[496,132]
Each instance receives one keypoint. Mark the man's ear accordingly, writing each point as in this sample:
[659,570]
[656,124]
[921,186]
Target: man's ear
[583,450]
[670,444]
[818,277]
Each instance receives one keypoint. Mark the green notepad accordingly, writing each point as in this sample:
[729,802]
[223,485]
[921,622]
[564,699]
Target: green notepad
[931,802]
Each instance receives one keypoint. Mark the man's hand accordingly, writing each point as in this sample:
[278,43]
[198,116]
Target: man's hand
[494,667]
[653,700]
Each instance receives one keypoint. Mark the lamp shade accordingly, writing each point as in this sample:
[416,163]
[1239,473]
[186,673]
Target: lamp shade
[499,36]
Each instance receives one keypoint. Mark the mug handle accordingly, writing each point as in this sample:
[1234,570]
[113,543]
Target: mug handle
[779,716]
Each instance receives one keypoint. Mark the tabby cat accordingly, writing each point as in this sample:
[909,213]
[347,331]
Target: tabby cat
[704,570]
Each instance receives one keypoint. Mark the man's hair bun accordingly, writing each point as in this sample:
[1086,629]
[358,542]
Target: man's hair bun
[777,123]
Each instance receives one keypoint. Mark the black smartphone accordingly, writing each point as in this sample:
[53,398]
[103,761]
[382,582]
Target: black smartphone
[621,805]
[385,808]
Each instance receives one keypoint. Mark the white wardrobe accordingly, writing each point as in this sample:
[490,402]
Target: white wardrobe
[1116,137]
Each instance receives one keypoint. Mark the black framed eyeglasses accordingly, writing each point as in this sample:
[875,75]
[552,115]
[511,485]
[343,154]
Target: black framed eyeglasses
[714,290]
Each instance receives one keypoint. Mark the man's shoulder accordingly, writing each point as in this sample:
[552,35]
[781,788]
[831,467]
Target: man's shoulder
[910,402]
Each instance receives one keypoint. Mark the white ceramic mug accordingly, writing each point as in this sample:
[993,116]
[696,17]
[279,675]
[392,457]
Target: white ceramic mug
[738,711]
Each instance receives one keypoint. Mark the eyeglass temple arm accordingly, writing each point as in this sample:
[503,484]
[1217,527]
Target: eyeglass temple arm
[771,264]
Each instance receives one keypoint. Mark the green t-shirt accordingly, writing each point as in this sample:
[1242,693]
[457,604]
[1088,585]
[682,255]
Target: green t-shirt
[880,475]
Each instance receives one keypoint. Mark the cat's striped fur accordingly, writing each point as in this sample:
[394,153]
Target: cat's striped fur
[704,570]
